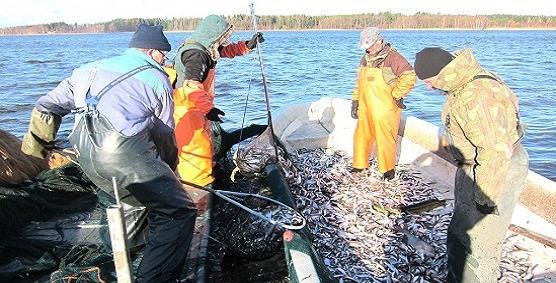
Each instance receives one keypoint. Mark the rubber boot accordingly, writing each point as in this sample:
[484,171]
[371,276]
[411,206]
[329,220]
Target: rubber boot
[389,175]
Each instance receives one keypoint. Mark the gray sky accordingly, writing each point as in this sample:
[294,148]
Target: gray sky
[27,12]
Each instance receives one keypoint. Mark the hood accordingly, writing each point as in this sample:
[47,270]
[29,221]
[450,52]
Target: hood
[212,32]
[458,72]
[376,60]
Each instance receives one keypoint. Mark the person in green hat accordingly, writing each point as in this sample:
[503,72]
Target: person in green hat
[195,67]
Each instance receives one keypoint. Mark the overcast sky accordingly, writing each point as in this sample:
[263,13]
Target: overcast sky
[27,12]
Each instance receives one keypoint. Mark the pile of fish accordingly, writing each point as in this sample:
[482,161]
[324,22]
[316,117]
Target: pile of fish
[362,233]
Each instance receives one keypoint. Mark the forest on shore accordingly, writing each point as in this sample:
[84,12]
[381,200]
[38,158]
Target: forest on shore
[296,22]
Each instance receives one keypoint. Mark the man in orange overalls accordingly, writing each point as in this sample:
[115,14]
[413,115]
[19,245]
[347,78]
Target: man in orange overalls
[384,78]
[195,66]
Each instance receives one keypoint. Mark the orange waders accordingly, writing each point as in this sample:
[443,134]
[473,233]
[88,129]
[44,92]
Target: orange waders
[379,120]
[194,142]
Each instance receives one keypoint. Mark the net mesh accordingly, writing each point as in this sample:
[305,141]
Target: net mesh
[48,227]
[57,191]
[252,159]
[276,212]
[236,232]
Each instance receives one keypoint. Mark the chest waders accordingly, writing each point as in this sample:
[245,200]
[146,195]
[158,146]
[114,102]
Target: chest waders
[378,122]
[102,151]
[143,180]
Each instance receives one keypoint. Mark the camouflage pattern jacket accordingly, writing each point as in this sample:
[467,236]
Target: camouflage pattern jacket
[481,119]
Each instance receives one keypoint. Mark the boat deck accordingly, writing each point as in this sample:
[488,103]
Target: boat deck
[326,124]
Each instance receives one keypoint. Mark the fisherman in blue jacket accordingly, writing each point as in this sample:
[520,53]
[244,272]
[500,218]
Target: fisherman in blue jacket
[124,128]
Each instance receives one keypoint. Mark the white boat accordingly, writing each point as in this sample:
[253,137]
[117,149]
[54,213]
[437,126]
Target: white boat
[327,123]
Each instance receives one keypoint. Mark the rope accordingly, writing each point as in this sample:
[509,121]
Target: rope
[246,102]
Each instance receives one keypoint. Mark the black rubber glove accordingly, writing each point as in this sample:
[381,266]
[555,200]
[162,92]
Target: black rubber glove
[214,113]
[399,103]
[354,109]
[167,148]
[490,208]
[257,38]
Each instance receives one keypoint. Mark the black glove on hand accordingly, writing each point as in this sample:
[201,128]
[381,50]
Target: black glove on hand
[213,114]
[354,109]
[257,38]
[399,103]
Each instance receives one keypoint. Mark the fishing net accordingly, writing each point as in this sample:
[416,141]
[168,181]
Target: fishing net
[281,214]
[236,232]
[223,140]
[246,235]
[265,208]
[15,166]
[53,229]
[85,263]
[52,192]
[28,253]
[252,159]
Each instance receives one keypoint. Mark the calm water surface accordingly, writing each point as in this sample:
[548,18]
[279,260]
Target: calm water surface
[301,66]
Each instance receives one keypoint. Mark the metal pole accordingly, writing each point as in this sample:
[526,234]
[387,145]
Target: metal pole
[118,238]
[265,85]
[259,52]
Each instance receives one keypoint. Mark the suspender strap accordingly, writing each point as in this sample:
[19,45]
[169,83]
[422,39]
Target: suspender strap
[92,101]
[483,76]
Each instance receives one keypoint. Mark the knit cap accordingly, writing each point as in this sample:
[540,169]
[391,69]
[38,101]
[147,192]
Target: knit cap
[150,37]
[429,62]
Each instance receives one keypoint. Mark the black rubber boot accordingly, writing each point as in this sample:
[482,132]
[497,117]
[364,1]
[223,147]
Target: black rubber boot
[389,175]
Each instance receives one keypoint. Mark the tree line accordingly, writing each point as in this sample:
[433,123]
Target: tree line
[385,20]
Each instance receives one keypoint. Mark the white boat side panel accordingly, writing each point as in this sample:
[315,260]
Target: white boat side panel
[304,268]
[311,135]
[524,217]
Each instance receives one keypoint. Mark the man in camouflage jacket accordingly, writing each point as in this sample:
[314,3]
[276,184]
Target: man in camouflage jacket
[483,128]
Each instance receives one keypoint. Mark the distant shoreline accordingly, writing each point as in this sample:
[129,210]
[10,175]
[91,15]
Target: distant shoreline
[298,30]
[386,20]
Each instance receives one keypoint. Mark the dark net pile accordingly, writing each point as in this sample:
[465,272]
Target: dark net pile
[244,234]
[243,247]
[34,218]
[52,192]
[239,232]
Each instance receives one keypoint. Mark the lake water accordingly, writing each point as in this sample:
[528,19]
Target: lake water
[301,66]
